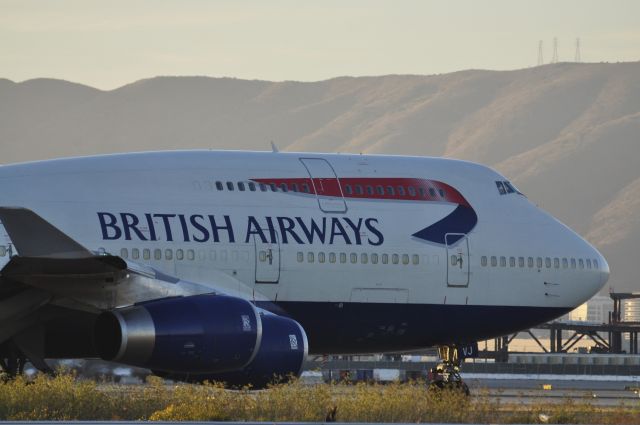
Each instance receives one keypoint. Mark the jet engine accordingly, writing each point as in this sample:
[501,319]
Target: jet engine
[282,353]
[203,337]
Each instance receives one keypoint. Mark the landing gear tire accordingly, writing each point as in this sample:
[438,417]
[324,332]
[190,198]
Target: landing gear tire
[446,375]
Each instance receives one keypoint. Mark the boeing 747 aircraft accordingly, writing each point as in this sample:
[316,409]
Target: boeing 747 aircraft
[232,266]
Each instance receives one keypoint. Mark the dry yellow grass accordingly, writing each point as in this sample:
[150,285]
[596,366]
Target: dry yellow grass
[67,398]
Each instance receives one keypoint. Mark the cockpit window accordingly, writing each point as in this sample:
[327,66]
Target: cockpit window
[505,188]
[508,187]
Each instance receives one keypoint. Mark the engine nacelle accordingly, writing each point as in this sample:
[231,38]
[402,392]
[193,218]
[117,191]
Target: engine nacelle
[196,334]
[282,353]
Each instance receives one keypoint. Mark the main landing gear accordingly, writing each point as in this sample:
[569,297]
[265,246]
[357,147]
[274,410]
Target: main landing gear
[446,375]
[12,361]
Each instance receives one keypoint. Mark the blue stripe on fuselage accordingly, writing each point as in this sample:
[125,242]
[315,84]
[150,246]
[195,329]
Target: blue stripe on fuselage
[462,220]
[334,327]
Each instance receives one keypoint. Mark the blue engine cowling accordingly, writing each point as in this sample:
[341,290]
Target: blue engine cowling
[282,353]
[196,334]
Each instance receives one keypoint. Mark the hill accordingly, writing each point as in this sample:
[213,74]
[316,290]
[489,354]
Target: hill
[567,134]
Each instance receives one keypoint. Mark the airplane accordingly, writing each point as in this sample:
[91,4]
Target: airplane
[233,266]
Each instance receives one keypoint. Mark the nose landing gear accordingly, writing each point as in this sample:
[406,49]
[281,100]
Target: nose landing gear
[446,375]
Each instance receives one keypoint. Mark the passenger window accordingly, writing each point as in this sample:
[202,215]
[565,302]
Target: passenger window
[395,258]
[483,261]
[385,258]
[252,186]
[146,254]
[191,255]
[273,187]
[588,263]
[179,254]
[305,188]
[530,262]
[441,192]
[310,257]
[263,187]
[283,187]
[157,254]
[135,253]
[416,259]
[230,185]
[547,262]
[501,188]
[512,261]
[405,259]
[581,263]
[241,186]
[503,261]
[521,262]
[364,259]
[359,189]
[343,258]
[300,257]
[380,190]
[262,256]
[374,258]
[595,264]
[321,257]
[3,250]
[168,254]
[369,190]
[422,193]
[294,187]
[219,186]
[556,263]
[565,263]
[332,257]
[347,189]
[494,261]
[390,191]
[432,192]
[412,191]
[539,262]
[400,190]
[354,258]
[124,253]
[573,263]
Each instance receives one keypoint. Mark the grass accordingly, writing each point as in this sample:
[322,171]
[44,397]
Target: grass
[66,397]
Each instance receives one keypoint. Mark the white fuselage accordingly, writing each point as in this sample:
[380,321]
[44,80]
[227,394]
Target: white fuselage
[185,214]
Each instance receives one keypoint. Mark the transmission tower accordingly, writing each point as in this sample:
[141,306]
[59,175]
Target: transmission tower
[540,58]
[554,58]
[578,58]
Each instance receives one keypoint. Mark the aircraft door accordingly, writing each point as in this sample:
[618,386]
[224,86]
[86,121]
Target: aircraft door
[326,185]
[267,260]
[458,266]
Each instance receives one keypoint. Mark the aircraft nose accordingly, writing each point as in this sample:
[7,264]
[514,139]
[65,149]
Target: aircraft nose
[604,270]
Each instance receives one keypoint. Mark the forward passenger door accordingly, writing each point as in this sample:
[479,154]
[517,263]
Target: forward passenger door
[458,266]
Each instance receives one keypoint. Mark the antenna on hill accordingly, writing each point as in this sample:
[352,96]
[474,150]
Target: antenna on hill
[554,58]
[578,58]
[274,148]
[540,58]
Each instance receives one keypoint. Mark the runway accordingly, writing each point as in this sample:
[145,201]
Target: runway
[596,390]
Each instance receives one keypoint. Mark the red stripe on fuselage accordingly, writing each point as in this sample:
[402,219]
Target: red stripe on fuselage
[396,188]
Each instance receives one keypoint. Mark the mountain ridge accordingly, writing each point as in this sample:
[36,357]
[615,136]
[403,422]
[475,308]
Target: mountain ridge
[566,134]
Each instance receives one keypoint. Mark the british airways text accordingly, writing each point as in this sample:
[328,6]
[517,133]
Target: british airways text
[221,228]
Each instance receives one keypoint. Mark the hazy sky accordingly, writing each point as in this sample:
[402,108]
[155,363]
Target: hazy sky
[107,44]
